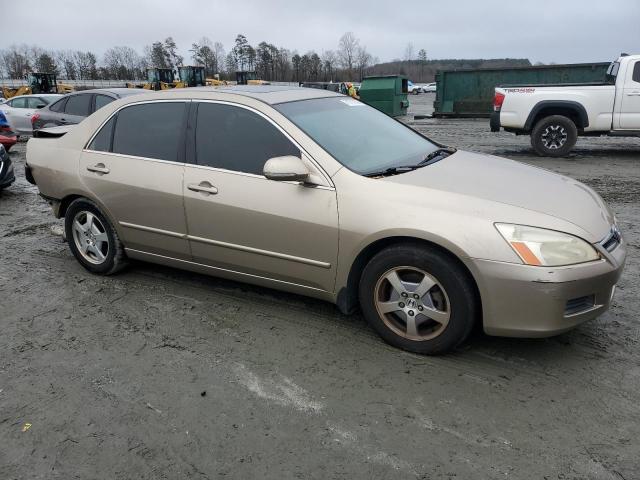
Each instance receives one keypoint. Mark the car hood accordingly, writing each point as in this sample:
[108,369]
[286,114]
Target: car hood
[513,183]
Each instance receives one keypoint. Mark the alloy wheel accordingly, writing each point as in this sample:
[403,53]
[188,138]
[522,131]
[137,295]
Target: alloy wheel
[412,303]
[554,137]
[90,237]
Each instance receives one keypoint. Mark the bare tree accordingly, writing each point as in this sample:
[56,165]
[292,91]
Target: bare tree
[123,63]
[329,60]
[347,51]
[409,52]
[219,54]
[363,60]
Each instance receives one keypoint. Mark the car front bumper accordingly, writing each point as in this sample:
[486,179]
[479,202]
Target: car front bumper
[525,301]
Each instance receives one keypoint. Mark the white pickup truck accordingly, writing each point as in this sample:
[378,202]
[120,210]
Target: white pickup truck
[554,115]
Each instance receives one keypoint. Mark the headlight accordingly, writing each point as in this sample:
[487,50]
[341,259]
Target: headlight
[542,247]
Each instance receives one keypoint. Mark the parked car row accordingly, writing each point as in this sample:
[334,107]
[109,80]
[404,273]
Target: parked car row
[25,114]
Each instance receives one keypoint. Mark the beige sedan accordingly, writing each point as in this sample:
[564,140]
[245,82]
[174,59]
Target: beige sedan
[274,186]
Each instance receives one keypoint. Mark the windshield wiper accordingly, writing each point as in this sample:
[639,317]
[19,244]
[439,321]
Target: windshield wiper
[436,155]
[433,157]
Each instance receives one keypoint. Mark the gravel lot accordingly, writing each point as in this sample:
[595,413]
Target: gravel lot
[159,373]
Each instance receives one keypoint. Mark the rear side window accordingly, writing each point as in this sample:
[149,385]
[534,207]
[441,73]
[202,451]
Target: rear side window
[636,72]
[78,105]
[151,130]
[237,139]
[102,141]
[58,106]
[102,100]
[19,103]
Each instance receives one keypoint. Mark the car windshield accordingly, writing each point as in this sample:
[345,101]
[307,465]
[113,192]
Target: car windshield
[358,136]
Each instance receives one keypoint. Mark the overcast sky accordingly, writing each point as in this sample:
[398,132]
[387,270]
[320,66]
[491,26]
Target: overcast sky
[561,31]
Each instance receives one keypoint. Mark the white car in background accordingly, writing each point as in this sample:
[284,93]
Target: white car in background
[20,109]
[413,88]
[429,87]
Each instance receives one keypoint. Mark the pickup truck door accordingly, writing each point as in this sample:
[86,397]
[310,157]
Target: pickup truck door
[630,103]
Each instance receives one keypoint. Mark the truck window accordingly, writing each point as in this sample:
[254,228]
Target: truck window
[612,72]
[636,72]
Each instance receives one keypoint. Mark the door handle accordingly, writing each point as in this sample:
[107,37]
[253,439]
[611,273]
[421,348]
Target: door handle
[204,187]
[99,168]
[635,93]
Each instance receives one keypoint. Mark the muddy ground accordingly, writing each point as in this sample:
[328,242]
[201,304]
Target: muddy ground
[159,373]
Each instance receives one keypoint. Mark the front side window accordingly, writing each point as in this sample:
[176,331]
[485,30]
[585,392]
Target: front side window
[357,135]
[36,102]
[636,72]
[237,139]
[78,105]
[150,130]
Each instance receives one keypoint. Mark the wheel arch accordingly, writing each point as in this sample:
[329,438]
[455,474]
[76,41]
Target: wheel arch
[347,298]
[71,196]
[570,109]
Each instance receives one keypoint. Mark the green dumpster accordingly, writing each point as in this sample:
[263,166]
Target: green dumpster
[386,93]
[469,93]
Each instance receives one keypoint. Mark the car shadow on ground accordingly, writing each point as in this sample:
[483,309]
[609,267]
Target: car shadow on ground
[346,325]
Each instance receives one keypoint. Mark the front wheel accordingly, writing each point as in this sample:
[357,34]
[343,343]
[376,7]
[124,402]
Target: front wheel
[418,299]
[554,136]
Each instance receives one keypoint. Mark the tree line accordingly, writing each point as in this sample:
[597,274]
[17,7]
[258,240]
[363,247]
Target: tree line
[349,61]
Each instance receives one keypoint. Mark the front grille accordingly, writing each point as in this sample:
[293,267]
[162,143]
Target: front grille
[579,305]
[612,241]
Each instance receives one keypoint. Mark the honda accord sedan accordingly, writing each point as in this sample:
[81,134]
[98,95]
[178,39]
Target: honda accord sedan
[272,186]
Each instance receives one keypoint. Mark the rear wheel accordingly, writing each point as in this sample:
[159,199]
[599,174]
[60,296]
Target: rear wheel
[418,299]
[92,239]
[554,136]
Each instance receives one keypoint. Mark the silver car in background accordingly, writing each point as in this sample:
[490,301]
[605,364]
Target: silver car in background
[21,109]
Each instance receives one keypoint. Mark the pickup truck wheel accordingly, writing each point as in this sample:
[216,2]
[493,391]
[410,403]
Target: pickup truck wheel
[554,136]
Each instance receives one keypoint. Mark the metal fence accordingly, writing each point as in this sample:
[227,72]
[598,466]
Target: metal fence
[17,82]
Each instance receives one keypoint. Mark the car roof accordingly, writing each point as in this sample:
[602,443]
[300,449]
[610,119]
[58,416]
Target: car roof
[116,91]
[270,94]
[37,95]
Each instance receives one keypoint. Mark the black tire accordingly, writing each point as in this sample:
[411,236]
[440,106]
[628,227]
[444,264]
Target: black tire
[460,294]
[554,136]
[115,258]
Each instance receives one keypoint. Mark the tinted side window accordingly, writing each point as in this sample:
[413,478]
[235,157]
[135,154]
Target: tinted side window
[58,106]
[19,103]
[636,72]
[237,139]
[78,105]
[102,100]
[152,130]
[102,141]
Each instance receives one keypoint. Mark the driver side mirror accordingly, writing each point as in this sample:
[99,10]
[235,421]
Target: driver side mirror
[286,169]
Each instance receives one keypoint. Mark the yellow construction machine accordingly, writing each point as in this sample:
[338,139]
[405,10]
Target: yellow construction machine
[215,81]
[190,77]
[249,78]
[157,79]
[37,83]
